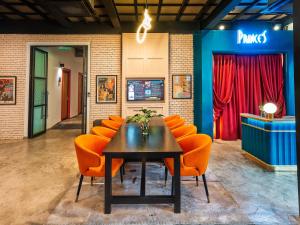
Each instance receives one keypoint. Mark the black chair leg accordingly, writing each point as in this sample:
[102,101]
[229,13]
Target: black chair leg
[123,168]
[205,186]
[79,187]
[121,175]
[172,188]
[92,179]
[197,181]
[166,175]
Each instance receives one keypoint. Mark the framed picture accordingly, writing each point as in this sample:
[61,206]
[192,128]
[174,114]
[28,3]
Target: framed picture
[106,89]
[8,86]
[182,86]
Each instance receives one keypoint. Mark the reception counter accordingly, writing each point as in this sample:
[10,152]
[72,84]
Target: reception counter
[271,143]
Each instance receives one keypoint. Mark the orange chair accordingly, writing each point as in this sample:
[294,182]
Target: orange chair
[194,160]
[111,124]
[103,131]
[90,160]
[172,117]
[116,118]
[175,123]
[183,131]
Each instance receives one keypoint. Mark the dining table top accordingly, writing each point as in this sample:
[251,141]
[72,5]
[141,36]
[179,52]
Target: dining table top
[129,139]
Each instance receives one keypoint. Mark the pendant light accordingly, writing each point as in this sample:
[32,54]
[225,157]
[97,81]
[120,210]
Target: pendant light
[146,25]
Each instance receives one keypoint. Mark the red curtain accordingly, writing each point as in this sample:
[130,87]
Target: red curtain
[241,88]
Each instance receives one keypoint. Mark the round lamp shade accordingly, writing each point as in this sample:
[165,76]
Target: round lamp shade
[270,108]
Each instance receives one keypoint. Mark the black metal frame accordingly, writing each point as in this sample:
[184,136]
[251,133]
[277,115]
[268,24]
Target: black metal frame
[142,198]
[31,93]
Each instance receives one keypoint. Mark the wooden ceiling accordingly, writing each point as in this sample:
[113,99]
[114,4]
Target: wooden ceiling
[205,13]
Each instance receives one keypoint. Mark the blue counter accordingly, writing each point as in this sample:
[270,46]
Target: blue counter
[271,141]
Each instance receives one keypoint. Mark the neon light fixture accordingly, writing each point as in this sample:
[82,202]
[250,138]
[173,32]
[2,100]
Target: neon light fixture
[253,38]
[146,25]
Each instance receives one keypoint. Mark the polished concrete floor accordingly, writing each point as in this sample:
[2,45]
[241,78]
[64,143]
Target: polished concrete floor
[39,176]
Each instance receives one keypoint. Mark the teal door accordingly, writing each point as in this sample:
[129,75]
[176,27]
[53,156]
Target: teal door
[38,92]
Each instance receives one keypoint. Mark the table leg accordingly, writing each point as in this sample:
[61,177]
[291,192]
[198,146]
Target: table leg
[108,185]
[143,179]
[177,183]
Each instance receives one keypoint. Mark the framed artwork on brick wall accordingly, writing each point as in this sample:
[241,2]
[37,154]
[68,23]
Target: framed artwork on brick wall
[181,86]
[106,89]
[8,86]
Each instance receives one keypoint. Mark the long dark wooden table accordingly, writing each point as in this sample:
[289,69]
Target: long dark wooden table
[130,144]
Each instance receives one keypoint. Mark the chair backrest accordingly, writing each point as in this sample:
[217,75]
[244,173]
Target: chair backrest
[175,123]
[111,124]
[103,131]
[196,148]
[116,118]
[184,131]
[172,117]
[89,147]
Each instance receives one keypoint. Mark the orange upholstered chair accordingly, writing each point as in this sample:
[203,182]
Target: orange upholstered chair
[90,160]
[175,123]
[111,124]
[183,131]
[172,117]
[117,118]
[194,160]
[103,131]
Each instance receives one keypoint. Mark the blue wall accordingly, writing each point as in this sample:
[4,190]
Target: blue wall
[206,43]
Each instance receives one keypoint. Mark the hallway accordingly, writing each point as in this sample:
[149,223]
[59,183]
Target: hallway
[40,175]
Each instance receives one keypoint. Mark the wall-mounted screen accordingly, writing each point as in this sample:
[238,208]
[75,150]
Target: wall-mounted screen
[145,89]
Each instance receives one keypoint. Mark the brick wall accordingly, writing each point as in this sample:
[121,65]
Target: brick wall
[181,62]
[105,60]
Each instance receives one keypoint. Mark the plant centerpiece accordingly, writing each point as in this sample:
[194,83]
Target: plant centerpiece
[143,119]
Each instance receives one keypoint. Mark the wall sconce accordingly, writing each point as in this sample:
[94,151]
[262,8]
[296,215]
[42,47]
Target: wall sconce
[270,109]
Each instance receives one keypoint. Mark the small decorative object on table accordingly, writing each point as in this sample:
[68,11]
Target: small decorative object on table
[143,119]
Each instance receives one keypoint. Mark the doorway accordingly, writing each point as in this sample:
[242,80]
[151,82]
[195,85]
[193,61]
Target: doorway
[65,94]
[57,93]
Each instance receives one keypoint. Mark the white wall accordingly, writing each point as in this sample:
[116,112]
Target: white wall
[55,57]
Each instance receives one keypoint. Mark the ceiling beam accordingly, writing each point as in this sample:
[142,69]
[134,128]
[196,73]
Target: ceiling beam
[204,10]
[58,16]
[182,8]
[219,13]
[43,27]
[112,13]
[13,9]
[136,10]
[245,10]
[36,9]
[159,9]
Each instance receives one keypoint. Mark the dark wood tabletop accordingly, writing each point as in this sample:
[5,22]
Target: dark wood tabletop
[129,139]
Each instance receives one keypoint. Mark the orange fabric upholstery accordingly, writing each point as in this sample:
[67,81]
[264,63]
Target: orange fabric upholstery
[196,152]
[175,123]
[90,160]
[111,124]
[116,118]
[103,131]
[172,117]
[184,130]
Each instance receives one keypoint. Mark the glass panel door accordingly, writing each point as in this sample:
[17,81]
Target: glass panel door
[38,92]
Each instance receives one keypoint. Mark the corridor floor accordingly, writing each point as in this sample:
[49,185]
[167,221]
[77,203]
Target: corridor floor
[38,175]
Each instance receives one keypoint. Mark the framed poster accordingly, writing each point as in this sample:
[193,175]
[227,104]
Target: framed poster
[106,89]
[182,86]
[8,90]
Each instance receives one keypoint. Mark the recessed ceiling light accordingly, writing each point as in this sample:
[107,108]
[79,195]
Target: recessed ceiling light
[277,27]
[222,27]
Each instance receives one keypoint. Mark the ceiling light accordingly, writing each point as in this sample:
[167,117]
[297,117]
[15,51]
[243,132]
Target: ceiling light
[146,25]
[277,27]
[222,27]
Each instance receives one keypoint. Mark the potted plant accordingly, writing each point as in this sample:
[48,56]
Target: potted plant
[143,119]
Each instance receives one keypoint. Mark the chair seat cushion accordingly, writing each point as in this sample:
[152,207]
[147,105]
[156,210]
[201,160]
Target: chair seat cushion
[184,170]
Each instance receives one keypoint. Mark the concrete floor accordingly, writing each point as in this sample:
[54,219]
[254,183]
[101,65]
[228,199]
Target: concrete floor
[38,175]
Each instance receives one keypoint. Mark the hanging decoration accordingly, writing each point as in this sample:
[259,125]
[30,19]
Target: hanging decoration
[146,25]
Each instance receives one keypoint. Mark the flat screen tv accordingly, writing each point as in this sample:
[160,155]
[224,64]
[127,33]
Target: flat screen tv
[145,89]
